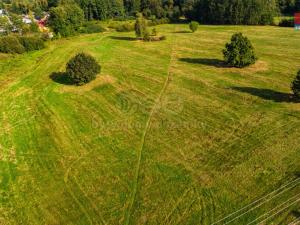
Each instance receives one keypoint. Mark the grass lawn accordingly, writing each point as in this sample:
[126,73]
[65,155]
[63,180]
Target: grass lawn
[165,135]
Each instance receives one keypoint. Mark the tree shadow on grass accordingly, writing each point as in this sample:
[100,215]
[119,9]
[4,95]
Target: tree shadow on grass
[267,94]
[61,78]
[123,38]
[296,213]
[208,62]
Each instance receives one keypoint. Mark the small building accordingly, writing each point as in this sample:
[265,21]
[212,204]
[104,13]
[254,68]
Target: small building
[26,20]
[3,14]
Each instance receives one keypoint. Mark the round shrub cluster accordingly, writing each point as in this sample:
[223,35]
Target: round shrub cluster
[239,52]
[296,86]
[82,69]
[194,26]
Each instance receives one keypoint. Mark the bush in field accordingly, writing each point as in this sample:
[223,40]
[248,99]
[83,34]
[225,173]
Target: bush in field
[82,69]
[296,86]
[154,21]
[154,32]
[287,23]
[125,27]
[90,28]
[32,43]
[11,44]
[194,26]
[239,52]
[147,35]
[140,26]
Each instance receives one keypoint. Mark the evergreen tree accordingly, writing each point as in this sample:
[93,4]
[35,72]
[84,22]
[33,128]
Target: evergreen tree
[296,86]
[140,26]
[239,52]
[82,69]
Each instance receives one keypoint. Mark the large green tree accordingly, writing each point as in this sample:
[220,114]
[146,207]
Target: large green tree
[66,19]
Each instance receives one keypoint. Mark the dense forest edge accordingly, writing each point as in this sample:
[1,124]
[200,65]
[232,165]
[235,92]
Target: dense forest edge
[40,20]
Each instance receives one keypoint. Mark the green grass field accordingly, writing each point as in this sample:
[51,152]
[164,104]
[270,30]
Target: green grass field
[165,135]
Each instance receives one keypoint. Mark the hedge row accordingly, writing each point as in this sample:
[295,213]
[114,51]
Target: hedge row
[125,27]
[19,45]
[155,22]
[287,23]
[128,26]
[121,26]
[90,28]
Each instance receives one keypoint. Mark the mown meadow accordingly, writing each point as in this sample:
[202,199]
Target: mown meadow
[167,134]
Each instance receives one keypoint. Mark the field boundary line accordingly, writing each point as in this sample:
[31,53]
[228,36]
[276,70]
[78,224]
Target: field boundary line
[143,138]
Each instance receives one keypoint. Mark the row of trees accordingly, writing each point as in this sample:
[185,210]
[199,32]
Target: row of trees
[68,15]
[206,11]
[251,12]
[103,9]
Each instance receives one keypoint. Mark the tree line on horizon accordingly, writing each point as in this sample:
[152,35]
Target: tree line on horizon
[250,12]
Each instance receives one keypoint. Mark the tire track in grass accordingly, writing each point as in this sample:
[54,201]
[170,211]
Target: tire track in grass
[37,68]
[42,67]
[67,174]
[69,188]
[177,203]
[128,212]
